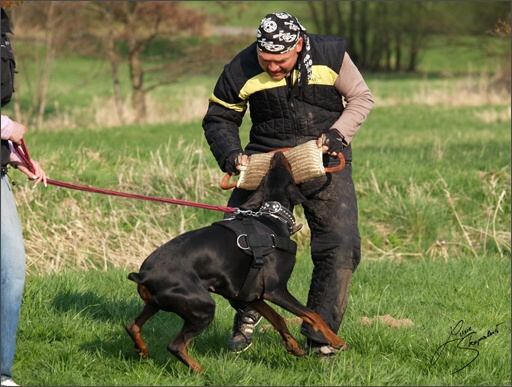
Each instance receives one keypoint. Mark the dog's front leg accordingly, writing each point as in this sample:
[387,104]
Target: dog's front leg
[319,324]
[279,325]
[284,299]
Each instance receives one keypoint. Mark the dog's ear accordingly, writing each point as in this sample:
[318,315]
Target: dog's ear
[255,200]
[294,194]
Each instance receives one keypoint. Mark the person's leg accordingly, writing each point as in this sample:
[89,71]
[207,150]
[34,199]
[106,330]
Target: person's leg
[332,216]
[246,318]
[12,276]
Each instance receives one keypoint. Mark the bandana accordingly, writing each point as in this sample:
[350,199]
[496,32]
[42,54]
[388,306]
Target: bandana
[279,33]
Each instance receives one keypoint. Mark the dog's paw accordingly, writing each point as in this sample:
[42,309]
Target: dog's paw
[142,352]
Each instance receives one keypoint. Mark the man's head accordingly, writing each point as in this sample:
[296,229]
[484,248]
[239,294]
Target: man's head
[280,40]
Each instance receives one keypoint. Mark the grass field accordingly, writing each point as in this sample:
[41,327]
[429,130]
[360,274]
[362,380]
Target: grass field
[432,173]
[72,331]
[434,202]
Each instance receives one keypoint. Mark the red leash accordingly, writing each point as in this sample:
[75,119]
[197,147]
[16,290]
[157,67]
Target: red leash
[23,152]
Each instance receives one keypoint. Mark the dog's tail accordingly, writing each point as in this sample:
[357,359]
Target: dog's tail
[135,277]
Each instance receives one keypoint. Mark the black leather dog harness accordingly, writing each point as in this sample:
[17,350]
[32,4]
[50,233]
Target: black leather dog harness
[258,240]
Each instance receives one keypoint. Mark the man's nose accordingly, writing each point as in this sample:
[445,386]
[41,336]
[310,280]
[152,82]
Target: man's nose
[273,67]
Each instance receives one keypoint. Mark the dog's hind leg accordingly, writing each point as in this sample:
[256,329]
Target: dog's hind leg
[134,328]
[279,325]
[197,313]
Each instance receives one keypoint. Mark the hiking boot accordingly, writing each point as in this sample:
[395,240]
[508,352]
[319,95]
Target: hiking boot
[243,327]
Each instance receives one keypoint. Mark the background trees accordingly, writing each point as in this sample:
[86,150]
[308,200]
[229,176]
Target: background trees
[390,35]
[160,43]
[130,28]
[51,29]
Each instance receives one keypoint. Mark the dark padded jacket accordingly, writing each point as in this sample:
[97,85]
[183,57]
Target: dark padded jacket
[283,115]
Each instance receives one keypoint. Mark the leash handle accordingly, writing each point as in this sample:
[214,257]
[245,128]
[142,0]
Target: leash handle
[25,156]
[338,167]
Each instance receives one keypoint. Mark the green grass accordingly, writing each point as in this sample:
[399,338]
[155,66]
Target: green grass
[424,175]
[485,53]
[72,332]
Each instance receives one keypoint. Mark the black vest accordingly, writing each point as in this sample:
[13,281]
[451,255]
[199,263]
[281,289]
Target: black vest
[283,114]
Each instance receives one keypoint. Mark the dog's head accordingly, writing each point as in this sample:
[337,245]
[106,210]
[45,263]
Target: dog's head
[277,185]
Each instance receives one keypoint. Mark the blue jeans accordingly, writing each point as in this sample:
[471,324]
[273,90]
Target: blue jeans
[13,275]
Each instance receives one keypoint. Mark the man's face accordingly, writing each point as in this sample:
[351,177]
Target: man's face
[279,66]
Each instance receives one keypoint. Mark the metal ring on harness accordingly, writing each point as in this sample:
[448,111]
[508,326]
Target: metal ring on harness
[238,242]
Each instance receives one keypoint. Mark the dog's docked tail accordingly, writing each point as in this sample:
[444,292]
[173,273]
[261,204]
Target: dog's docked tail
[135,277]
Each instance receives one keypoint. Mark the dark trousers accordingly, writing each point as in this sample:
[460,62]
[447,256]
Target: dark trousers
[332,216]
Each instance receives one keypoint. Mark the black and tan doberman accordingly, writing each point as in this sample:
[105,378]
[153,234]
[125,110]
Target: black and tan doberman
[252,265]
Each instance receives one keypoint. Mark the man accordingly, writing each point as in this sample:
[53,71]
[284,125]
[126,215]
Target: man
[12,245]
[299,87]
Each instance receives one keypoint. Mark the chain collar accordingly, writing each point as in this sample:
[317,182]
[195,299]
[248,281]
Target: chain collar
[277,211]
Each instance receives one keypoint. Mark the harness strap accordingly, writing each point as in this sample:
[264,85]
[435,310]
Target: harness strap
[285,244]
[268,242]
[257,259]
[256,240]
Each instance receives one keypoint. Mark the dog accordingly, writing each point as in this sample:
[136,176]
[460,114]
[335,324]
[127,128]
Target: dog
[253,266]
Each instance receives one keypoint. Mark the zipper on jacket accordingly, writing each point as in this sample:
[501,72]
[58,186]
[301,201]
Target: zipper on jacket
[291,107]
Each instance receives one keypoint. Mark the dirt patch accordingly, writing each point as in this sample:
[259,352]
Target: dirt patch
[389,320]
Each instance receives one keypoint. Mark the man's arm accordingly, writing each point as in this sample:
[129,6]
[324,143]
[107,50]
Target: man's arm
[222,122]
[351,85]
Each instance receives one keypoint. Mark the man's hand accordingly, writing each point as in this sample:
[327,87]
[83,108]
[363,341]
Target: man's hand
[236,162]
[332,142]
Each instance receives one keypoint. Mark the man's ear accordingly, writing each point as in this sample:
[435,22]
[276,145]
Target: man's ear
[300,42]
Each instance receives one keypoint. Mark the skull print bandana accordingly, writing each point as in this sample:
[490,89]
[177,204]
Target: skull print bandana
[279,33]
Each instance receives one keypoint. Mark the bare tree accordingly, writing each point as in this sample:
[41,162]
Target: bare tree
[113,59]
[159,42]
[52,19]
[134,28]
